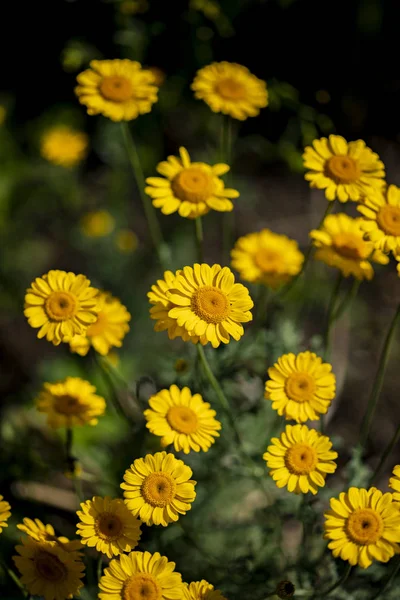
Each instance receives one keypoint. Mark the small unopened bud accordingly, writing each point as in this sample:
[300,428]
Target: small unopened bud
[285,590]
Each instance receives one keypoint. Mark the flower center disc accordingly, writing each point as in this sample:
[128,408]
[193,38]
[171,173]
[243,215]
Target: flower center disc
[301,459]
[142,586]
[193,185]
[116,89]
[300,387]
[350,246]
[268,260]
[108,526]
[61,306]
[158,489]
[230,89]
[68,405]
[49,567]
[210,304]
[182,419]
[98,327]
[364,526]
[343,168]
[389,219]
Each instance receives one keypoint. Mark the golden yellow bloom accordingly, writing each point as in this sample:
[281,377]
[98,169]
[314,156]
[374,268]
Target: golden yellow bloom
[61,304]
[364,525]
[381,219]
[231,89]
[97,223]
[201,590]
[141,576]
[285,590]
[345,170]
[108,331]
[190,188]
[394,483]
[340,243]
[108,525]
[118,89]
[47,570]
[126,240]
[64,146]
[158,488]
[5,513]
[70,402]
[209,304]
[40,532]
[300,459]
[267,257]
[301,387]
[183,420]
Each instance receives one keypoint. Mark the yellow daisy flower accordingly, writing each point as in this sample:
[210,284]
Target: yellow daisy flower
[118,89]
[162,305]
[40,532]
[364,525]
[267,257]
[209,303]
[5,513]
[301,387]
[158,488]
[97,223]
[141,575]
[340,243]
[345,170]
[63,146]
[70,402]
[394,483]
[231,89]
[60,304]
[183,420]
[108,331]
[381,219]
[108,525]
[300,459]
[201,590]
[48,571]
[190,188]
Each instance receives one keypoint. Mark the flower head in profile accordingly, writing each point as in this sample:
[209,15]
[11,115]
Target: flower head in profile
[190,188]
[107,525]
[158,488]
[61,305]
[40,532]
[183,420]
[209,304]
[301,387]
[48,570]
[97,223]
[5,513]
[341,243]
[345,170]
[70,402]
[300,459]
[141,575]
[201,590]
[231,89]
[381,219]
[63,146]
[267,257]
[394,483]
[118,89]
[363,526]
[107,331]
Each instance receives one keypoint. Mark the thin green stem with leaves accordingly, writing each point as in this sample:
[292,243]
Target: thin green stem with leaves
[226,154]
[337,584]
[15,578]
[389,580]
[199,239]
[330,319]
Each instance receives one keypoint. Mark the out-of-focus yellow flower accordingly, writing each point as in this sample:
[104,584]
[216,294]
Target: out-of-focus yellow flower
[133,7]
[201,590]
[341,243]
[126,240]
[190,188]
[63,146]
[345,170]
[5,513]
[267,257]
[394,483]
[97,223]
[231,89]
[300,459]
[381,219]
[45,533]
[118,89]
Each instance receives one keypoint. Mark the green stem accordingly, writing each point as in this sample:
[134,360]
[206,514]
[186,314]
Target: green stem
[330,319]
[385,455]
[99,567]
[261,306]
[389,580]
[348,300]
[378,382]
[15,578]
[111,387]
[228,218]
[337,584]
[151,216]
[199,239]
